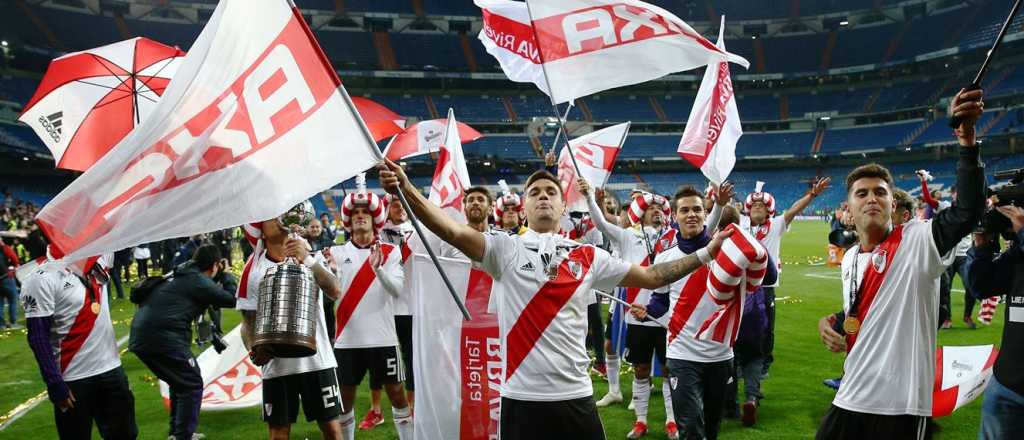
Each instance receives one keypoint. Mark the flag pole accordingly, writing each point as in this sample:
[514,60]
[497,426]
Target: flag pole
[627,306]
[954,121]
[412,216]
[559,132]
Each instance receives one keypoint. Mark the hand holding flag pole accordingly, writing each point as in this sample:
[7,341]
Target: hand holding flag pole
[954,121]
[414,221]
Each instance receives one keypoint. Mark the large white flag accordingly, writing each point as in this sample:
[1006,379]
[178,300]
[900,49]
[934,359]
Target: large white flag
[587,46]
[254,121]
[713,129]
[595,154]
[459,367]
[961,374]
[451,178]
[230,380]
[508,37]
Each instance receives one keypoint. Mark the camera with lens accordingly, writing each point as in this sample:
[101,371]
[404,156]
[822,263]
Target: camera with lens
[1008,193]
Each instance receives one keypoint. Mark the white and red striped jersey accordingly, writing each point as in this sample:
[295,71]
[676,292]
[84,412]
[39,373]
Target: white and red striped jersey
[690,305]
[82,336]
[543,320]
[770,235]
[890,364]
[248,300]
[364,314]
[400,236]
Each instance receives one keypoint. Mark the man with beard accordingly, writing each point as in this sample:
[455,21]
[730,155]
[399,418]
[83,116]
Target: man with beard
[543,283]
[643,339]
[762,223]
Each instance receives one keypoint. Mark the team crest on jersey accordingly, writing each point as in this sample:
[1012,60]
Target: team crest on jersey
[575,269]
[672,381]
[878,260]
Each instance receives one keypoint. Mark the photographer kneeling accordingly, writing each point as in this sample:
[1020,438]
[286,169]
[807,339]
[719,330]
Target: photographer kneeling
[161,333]
[991,273]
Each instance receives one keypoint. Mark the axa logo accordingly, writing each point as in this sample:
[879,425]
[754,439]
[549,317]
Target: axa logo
[52,124]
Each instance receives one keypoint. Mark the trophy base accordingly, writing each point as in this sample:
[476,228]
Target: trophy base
[285,345]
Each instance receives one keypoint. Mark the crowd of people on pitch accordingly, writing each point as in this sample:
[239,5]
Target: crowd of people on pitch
[699,274]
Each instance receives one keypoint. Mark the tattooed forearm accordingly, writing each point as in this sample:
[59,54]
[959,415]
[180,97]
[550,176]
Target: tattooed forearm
[670,271]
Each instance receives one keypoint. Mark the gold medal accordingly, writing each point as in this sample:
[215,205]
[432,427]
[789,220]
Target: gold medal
[851,325]
[96,308]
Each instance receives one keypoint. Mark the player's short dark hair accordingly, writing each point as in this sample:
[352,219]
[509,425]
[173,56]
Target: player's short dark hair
[904,200]
[730,215]
[687,191]
[541,175]
[206,256]
[871,170]
[478,189]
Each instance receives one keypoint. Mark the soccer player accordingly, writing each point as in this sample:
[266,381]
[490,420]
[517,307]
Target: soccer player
[891,296]
[700,369]
[310,380]
[67,312]
[762,223]
[644,339]
[365,337]
[543,283]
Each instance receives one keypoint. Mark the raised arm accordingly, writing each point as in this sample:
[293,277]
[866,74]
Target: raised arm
[819,187]
[618,235]
[927,194]
[954,223]
[724,194]
[464,238]
[662,274]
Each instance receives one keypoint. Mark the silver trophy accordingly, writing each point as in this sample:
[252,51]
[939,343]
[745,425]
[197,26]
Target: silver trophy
[288,299]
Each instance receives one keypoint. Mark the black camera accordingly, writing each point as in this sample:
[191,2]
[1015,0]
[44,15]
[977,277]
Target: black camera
[1011,193]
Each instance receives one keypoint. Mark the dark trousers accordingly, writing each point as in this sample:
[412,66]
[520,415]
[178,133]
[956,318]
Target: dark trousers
[748,364]
[698,396]
[596,331]
[959,267]
[143,266]
[104,398]
[769,337]
[842,424]
[945,308]
[181,372]
[565,419]
[8,292]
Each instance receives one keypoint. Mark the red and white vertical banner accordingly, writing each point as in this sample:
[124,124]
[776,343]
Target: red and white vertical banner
[961,375]
[254,121]
[508,37]
[230,380]
[595,154]
[451,178]
[460,368]
[713,129]
[587,46]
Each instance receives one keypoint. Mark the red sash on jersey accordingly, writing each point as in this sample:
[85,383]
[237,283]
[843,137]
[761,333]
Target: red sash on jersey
[667,240]
[873,280]
[543,307]
[479,388]
[85,320]
[357,290]
[760,232]
[693,290]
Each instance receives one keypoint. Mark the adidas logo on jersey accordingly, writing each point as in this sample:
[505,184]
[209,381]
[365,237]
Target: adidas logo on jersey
[67,284]
[527,267]
[347,261]
[52,124]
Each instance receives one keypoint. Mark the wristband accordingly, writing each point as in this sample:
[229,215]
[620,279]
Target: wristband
[309,261]
[703,255]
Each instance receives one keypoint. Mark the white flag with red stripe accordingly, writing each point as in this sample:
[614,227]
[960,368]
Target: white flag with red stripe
[457,392]
[713,129]
[230,380]
[595,154]
[508,37]
[451,178]
[587,46]
[739,268]
[255,121]
[426,137]
[961,374]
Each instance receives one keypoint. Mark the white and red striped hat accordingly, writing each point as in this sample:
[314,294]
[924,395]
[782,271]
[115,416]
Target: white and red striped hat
[742,259]
[760,196]
[508,198]
[644,201]
[376,206]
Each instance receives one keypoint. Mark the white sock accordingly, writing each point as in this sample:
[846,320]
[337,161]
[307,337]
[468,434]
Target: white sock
[403,422]
[612,362]
[641,397]
[348,425]
[666,392]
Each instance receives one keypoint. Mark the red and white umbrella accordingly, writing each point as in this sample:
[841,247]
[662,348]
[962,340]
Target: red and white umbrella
[88,101]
